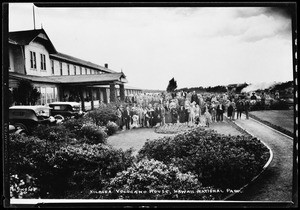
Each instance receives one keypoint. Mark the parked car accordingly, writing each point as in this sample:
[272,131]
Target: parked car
[62,109]
[26,118]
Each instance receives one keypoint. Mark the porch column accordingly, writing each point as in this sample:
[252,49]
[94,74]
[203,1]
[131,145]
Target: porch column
[81,99]
[92,98]
[112,93]
[104,95]
[60,93]
[98,94]
[122,92]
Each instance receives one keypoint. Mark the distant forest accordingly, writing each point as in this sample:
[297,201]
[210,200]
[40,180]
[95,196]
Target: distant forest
[236,87]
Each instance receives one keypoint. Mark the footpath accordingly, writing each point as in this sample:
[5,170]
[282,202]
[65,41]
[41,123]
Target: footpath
[276,183]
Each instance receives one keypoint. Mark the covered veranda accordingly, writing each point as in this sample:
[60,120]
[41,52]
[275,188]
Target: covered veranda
[89,90]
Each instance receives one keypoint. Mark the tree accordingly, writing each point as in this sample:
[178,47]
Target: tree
[172,85]
[26,94]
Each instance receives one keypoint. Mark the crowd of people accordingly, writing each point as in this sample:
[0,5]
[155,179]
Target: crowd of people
[151,110]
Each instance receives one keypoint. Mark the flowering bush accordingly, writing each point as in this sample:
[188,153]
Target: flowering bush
[219,161]
[57,172]
[112,128]
[90,166]
[55,133]
[75,125]
[29,157]
[22,189]
[152,179]
[173,128]
[103,115]
[93,134]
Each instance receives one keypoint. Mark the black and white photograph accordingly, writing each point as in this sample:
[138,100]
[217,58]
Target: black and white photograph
[150,105]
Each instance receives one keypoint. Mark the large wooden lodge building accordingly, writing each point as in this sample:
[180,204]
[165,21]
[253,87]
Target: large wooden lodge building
[61,77]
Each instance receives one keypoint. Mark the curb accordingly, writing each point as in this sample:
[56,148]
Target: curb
[264,168]
[272,126]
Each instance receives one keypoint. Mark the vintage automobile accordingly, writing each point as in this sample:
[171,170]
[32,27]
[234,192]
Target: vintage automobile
[26,118]
[62,110]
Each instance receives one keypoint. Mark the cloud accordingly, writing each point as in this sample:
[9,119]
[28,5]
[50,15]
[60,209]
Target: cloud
[254,24]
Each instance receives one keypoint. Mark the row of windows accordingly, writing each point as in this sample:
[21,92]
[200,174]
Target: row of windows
[33,61]
[43,66]
[81,69]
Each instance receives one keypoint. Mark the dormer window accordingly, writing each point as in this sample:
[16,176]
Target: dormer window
[32,60]
[43,62]
[68,69]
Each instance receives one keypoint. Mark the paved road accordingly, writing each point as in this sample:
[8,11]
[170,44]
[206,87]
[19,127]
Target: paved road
[275,184]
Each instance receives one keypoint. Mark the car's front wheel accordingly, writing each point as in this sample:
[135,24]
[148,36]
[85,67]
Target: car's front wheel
[59,118]
[21,128]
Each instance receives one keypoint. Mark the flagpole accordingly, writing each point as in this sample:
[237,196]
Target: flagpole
[33,17]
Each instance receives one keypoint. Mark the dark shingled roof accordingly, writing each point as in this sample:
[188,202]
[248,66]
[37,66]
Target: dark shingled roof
[78,61]
[91,79]
[25,37]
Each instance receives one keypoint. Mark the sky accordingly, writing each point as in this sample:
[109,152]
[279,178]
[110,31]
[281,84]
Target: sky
[198,46]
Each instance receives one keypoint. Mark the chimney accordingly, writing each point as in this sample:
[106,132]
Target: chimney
[106,65]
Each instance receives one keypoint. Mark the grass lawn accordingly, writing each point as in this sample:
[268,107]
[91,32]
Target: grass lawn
[136,138]
[280,118]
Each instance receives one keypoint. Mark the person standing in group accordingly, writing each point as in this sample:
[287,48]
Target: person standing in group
[181,113]
[174,115]
[247,108]
[146,117]
[192,113]
[233,108]
[140,114]
[157,114]
[150,114]
[168,117]
[263,101]
[163,114]
[194,98]
[239,108]
[207,116]
[126,117]
[213,112]
[220,111]
[119,117]
[187,110]
[197,114]
[230,111]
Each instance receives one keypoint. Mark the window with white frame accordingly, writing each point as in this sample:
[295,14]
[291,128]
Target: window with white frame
[68,67]
[32,60]
[43,62]
[80,69]
[74,70]
[52,66]
[60,66]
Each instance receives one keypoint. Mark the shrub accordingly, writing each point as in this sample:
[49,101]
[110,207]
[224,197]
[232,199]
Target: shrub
[151,179]
[103,115]
[22,187]
[279,105]
[112,128]
[172,128]
[90,166]
[54,173]
[29,157]
[54,133]
[93,134]
[219,161]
